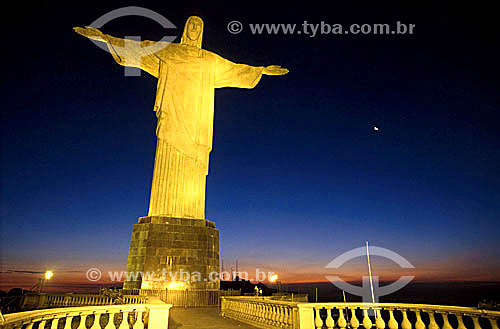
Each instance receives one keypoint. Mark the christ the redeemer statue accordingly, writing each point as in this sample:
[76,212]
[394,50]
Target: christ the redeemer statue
[187,76]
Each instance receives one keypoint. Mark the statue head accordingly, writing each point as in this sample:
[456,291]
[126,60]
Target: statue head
[193,32]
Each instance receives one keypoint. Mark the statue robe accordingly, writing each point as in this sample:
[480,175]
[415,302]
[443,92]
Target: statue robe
[184,105]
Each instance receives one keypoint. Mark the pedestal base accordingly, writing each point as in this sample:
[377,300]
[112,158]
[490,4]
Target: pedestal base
[169,253]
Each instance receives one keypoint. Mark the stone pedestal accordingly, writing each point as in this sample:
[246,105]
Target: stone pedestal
[163,248]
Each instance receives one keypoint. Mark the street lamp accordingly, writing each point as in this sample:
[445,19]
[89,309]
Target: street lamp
[274,278]
[47,276]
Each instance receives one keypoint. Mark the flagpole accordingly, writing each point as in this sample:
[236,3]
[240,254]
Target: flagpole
[370,272]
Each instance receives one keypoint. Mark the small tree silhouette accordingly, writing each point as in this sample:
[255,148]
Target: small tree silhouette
[115,295]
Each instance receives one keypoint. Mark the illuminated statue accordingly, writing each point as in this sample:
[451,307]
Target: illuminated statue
[187,76]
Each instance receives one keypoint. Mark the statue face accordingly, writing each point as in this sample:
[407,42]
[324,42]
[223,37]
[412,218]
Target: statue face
[194,29]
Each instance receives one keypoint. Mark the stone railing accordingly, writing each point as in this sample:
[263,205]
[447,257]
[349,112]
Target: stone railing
[36,301]
[266,313]
[184,298]
[152,316]
[261,312]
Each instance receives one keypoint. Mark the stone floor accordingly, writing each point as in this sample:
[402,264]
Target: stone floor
[201,318]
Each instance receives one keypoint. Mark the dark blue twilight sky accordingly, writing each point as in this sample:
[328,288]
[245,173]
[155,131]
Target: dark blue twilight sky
[297,174]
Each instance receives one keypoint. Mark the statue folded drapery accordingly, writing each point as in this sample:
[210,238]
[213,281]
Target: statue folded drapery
[187,77]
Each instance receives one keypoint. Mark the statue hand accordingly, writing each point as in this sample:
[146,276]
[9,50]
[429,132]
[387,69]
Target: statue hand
[90,32]
[274,70]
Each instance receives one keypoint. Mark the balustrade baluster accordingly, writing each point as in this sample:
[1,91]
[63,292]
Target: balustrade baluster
[341,322]
[42,323]
[379,322]
[318,322]
[273,315]
[281,316]
[237,309]
[419,324]
[329,319]
[111,321]
[97,318]
[269,314]
[475,320]
[493,323]
[405,324]
[67,323]
[124,323]
[83,317]
[354,320]
[276,317]
[446,322]
[138,320]
[432,321]
[30,325]
[286,317]
[367,323]
[393,324]
[54,323]
[249,311]
[265,314]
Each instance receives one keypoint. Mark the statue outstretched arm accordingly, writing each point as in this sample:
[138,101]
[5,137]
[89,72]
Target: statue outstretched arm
[97,35]
[126,52]
[275,70]
[229,74]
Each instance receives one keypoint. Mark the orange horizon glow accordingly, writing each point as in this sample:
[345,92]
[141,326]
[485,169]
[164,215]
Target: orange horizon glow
[66,280]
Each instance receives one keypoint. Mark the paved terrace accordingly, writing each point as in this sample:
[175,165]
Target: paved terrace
[201,318]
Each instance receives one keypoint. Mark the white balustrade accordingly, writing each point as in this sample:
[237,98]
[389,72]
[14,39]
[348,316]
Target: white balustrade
[259,312]
[58,300]
[268,313]
[155,315]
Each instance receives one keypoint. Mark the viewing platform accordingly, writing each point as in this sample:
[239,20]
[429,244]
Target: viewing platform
[257,312]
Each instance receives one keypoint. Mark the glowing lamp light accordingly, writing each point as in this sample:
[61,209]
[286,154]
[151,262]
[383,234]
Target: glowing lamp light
[48,275]
[273,278]
[176,285]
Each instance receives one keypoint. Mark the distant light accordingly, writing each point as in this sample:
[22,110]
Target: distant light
[176,285]
[48,275]
[375,128]
[273,278]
